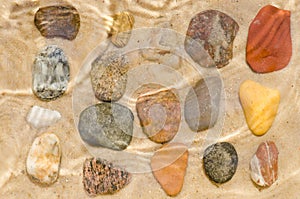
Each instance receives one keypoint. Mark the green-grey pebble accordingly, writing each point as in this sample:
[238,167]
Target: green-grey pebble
[108,125]
[220,162]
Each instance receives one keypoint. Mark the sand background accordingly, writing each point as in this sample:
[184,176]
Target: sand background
[20,41]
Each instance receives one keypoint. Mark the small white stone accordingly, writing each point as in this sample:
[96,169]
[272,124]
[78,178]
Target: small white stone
[39,117]
[43,160]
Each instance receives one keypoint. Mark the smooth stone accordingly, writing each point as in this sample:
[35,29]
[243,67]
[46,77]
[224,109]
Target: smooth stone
[51,73]
[158,109]
[169,165]
[108,76]
[102,177]
[260,105]
[58,21]
[108,125]
[220,162]
[201,108]
[269,44]
[43,159]
[120,30]
[215,32]
[264,164]
[39,117]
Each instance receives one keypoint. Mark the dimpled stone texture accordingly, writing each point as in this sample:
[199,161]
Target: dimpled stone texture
[201,108]
[108,76]
[220,161]
[159,111]
[108,125]
[215,32]
[58,21]
[102,177]
[50,74]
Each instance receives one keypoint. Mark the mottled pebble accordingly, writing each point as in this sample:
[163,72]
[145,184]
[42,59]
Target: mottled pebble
[158,109]
[102,177]
[39,117]
[169,165]
[269,44]
[201,108]
[264,164]
[108,76]
[260,105]
[58,21]
[108,125]
[220,162]
[215,32]
[43,160]
[50,74]
[120,30]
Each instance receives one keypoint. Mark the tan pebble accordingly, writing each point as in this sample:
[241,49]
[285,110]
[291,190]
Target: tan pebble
[43,160]
[264,164]
[260,106]
[169,165]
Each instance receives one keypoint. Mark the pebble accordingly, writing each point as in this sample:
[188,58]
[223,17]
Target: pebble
[102,177]
[260,105]
[120,30]
[108,76]
[51,73]
[220,162]
[39,117]
[201,108]
[43,160]
[269,45]
[58,21]
[108,125]
[169,165]
[264,164]
[215,32]
[158,109]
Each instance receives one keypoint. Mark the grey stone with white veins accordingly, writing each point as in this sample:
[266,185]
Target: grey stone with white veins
[51,73]
[108,125]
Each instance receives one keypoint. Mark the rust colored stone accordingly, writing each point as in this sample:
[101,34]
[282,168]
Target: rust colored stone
[214,31]
[269,45]
[58,21]
[158,109]
[169,165]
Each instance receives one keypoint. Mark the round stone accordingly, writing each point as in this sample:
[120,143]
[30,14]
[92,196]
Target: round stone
[108,125]
[108,76]
[51,73]
[220,161]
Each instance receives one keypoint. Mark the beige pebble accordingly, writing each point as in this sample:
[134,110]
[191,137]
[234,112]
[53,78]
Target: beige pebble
[260,105]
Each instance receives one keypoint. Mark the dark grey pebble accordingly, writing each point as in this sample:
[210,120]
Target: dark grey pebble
[220,162]
[201,108]
[108,125]
[50,74]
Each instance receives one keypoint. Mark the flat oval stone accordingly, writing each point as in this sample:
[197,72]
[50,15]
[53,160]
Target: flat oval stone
[215,32]
[120,31]
[50,74]
[269,44]
[108,125]
[264,164]
[58,21]
[108,76]
[102,177]
[201,108]
[220,161]
[158,109]
[43,159]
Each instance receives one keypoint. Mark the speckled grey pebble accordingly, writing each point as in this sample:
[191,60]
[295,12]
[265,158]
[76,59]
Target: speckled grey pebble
[50,74]
[108,125]
[108,76]
[220,162]
[201,108]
